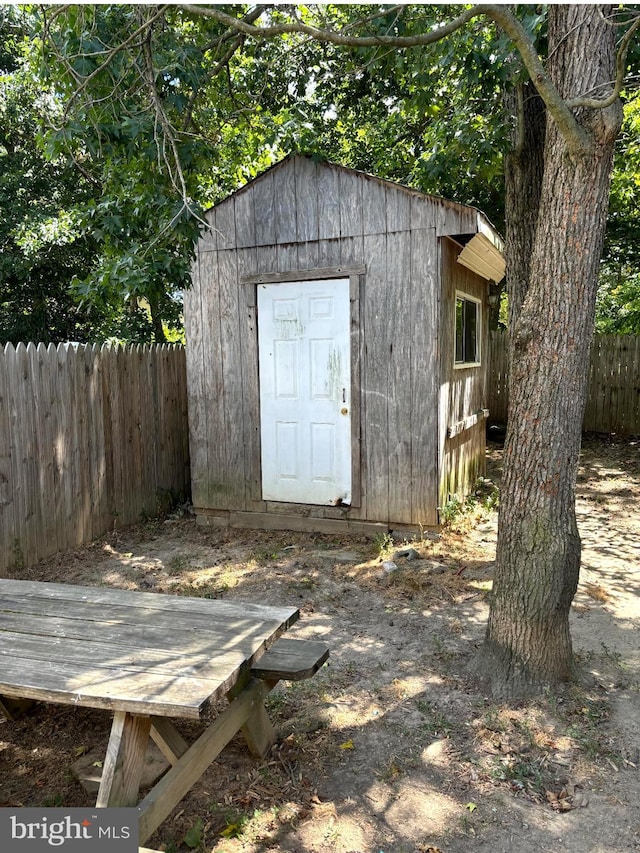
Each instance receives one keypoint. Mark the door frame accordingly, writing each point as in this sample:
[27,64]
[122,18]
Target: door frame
[355,274]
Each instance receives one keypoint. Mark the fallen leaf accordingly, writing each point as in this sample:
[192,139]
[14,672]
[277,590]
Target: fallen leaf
[348,744]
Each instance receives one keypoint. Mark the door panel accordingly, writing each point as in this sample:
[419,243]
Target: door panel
[305,390]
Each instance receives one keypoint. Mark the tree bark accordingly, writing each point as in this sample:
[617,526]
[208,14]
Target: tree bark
[524,170]
[528,644]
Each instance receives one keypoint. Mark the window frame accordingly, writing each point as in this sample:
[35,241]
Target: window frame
[467,298]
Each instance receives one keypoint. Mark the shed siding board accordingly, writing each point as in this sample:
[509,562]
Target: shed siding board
[423,318]
[287,257]
[265,210]
[285,204]
[398,353]
[375,208]
[213,379]
[232,474]
[209,240]
[350,185]
[245,218]
[266,259]
[375,381]
[249,381]
[226,224]
[194,304]
[352,250]
[359,499]
[462,390]
[308,254]
[329,253]
[328,204]
[306,199]
[422,212]
[398,210]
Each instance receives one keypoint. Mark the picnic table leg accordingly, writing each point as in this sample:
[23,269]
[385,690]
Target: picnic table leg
[124,761]
[168,792]
[168,739]
[258,731]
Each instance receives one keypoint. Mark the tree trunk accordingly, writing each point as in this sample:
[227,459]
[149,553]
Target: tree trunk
[524,170]
[528,643]
[159,336]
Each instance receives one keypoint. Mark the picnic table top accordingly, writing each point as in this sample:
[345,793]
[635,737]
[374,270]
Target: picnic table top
[141,652]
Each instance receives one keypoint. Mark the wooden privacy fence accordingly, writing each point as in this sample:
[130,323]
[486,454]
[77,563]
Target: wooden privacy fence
[613,402]
[90,438]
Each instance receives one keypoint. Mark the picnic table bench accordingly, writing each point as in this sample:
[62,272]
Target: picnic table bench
[149,658]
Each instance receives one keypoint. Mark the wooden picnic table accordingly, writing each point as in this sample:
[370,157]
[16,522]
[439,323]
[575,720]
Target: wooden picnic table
[148,657]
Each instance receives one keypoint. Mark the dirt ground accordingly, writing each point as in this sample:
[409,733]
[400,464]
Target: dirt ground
[389,748]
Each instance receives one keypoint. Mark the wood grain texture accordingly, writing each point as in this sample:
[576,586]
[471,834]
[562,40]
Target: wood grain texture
[375,381]
[291,660]
[306,185]
[124,761]
[423,321]
[264,210]
[400,367]
[138,652]
[285,203]
[168,792]
[232,475]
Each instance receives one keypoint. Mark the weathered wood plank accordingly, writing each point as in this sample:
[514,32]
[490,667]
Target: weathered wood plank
[312,524]
[163,798]
[168,739]
[351,204]
[20,591]
[194,303]
[226,223]
[328,204]
[375,380]
[400,210]
[212,478]
[7,484]
[250,383]
[400,367]
[265,210]
[306,184]
[339,271]
[358,502]
[285,204]
[21,454]
[232,470]
[424,323]
[374,220]
[245,218]
[291,660]
[124,761]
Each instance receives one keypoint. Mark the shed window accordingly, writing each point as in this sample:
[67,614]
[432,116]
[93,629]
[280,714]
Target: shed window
[467,331]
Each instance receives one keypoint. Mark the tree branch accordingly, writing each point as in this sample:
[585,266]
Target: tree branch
[332,36]
[576,137]
[621,67]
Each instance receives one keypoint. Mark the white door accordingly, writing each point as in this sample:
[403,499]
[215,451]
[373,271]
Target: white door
[305,391]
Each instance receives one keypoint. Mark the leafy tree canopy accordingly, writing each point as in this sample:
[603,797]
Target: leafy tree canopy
[618,308]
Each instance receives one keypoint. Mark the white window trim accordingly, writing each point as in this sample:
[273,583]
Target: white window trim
[464,365]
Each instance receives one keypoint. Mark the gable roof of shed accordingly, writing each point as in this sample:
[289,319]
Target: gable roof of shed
[482,244]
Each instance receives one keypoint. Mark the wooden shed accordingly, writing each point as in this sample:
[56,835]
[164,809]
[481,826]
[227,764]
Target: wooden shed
[336,352]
